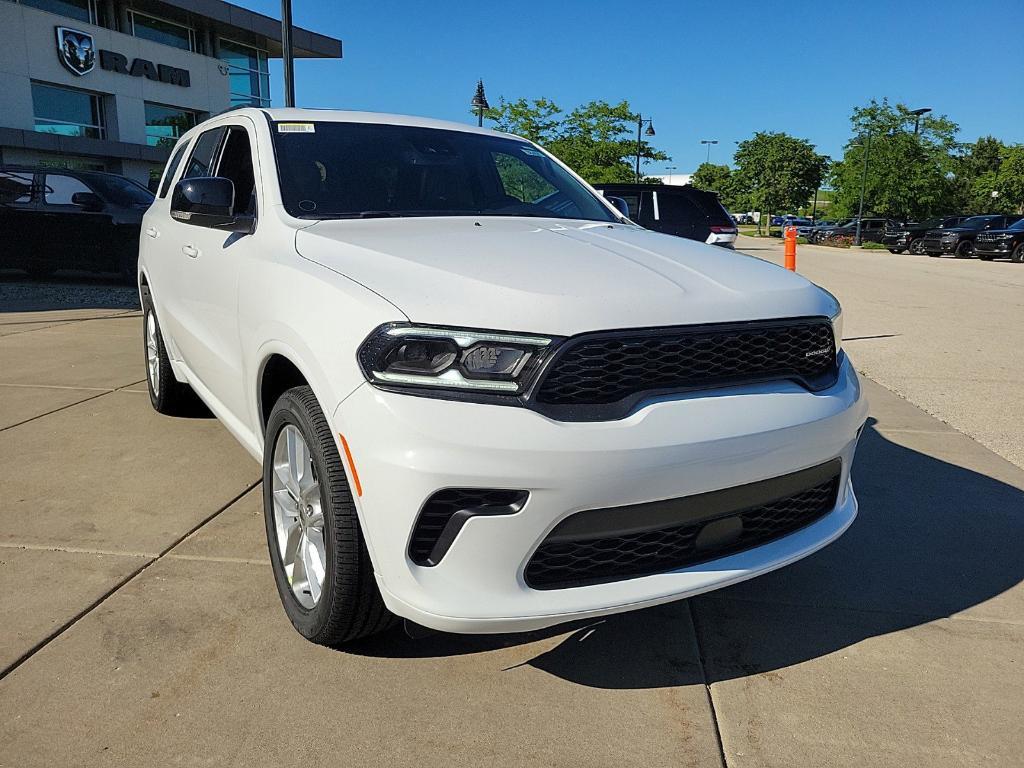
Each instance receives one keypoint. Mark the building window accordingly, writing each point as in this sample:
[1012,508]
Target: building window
[162,31]
[67,112]
[83,10]
[248,74]
[164,125]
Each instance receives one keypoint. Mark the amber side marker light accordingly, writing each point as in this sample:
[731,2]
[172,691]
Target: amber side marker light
[352,465]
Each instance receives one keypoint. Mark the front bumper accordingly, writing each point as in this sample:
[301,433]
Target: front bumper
[405,448]
[998,247]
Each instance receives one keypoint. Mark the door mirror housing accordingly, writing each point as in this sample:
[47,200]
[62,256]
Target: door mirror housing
[88,201]
[208,201]
[619,204]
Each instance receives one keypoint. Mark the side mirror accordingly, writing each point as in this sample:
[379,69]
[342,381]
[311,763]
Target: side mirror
[619,205]
[88,201]
[208,201]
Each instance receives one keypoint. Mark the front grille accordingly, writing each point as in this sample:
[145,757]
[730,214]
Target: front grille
[606,368]
[446,511]
[559,563]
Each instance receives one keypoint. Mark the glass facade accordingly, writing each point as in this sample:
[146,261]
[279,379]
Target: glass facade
[248,74]
[162,31]
[83,10]
[66,111]
[165,124]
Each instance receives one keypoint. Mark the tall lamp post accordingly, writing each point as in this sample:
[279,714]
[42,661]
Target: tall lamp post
[917,113]
[670,168]
[479,103]
[640,120]
[287,53]
[709,142]
[863,185]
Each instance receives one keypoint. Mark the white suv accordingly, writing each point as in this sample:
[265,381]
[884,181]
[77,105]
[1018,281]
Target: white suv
[484,400]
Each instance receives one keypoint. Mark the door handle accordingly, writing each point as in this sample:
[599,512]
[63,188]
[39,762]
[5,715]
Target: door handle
[153,232]
[190,250]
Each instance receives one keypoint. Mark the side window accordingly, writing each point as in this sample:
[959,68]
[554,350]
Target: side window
[236,164]
[520,180]
[678,209]
[172,168]
[15,188]
[632,203]
[58,189]
[201,161]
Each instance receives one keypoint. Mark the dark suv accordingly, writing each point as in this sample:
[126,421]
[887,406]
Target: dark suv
[871,230]
[995,243]
[910,237]
[66,219]
[959,240]
[676,210]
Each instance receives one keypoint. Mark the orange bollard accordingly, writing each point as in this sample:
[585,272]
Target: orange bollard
[790,248]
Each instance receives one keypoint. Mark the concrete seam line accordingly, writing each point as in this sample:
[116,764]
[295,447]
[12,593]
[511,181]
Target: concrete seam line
[72,550]
[103,598]
[101,393]
[59,386]
[707,683]
[216,559]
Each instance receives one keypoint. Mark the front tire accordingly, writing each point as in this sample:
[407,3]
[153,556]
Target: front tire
[1018,254]
[321,565]
[917,247]
[965,250]
[896,250]
[167,395]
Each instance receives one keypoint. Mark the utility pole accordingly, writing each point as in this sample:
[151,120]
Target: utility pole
[287,53]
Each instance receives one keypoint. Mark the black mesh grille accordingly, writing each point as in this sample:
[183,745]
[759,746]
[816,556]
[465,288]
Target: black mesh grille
[607,368]
[559,564]
[440,508]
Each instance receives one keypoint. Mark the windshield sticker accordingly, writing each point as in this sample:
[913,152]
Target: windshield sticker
[296,128]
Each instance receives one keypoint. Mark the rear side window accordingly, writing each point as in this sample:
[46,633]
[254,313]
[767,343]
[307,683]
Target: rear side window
[172,168]
[678,209]
[201,162]
[15,188]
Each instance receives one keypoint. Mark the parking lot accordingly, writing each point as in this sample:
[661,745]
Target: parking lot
[139,624]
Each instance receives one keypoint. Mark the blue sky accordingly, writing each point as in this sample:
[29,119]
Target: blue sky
[715,70]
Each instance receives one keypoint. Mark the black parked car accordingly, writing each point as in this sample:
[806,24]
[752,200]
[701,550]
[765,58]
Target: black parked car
[676,210]
[995,243]
[55,218]
[871,230]
[959,240]
[910,237]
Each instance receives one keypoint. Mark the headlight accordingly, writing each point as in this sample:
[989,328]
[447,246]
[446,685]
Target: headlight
[452,358]
[836,317]
[949,236]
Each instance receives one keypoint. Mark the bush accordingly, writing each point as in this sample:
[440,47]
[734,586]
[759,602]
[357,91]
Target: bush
[802,241]
[839,241]
[872,246]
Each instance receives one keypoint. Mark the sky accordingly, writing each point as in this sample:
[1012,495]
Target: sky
[701,70]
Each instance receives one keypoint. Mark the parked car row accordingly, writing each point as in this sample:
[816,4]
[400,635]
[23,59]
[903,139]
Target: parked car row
[986,236]
[67,219]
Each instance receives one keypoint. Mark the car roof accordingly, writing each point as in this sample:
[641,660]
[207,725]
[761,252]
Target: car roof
[292,114]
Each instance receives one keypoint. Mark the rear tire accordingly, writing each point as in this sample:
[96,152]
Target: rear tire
[321,565]
[167,395]
[1018,254]
[965,250]
[896,250]
[916,247]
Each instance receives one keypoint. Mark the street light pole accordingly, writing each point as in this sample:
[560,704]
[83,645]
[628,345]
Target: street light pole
[479,103]
[287,53]
[670,168]
[863,185]
[709,142]
[640,120]
[917,113]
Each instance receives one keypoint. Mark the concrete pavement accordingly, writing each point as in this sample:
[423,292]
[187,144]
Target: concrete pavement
[942,332]
[139,623]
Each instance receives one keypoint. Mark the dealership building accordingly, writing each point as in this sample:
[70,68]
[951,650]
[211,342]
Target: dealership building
[110,84]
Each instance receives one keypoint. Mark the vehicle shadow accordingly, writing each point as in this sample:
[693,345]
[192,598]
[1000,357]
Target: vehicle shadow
[932,539]
[64,291]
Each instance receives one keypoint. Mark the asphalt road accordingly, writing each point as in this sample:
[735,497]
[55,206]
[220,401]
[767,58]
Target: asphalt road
[944,333]
[139,624]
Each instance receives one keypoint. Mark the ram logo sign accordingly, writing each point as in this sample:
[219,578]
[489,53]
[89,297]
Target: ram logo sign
[76,50]
[78,53]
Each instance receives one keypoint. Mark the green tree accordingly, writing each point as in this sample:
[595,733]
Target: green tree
[909,175]
[720,179]
[776,172]
[1010,179]
[596,139]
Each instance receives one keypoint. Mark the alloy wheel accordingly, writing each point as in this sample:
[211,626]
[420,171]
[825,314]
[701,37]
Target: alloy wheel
[152,353]
[298,517]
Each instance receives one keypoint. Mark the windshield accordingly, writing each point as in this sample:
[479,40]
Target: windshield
[1017,225]
[361,170]
[122,191]
[975,221]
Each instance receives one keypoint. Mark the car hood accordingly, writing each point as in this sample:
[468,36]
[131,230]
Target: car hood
[553,276]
